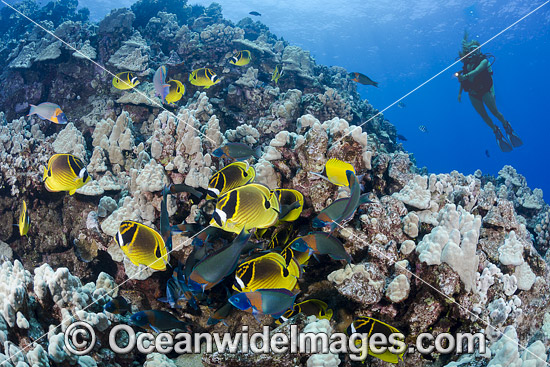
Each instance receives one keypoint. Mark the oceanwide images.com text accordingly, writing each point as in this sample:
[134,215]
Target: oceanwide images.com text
[80,339]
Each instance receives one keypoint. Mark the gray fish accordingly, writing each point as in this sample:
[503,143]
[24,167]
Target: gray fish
[363,79]
[159,81]
[334,210]
[323,244]
[49,111]
[353,202]
[423,128]
[214,268]
[237,151]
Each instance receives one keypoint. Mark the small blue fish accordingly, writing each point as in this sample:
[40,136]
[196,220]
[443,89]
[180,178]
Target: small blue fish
[272,302]
[157,321]
[118,305]
[159,81]
[323,244]
[423,128]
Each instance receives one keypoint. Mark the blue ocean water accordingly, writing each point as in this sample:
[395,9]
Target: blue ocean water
[402,45]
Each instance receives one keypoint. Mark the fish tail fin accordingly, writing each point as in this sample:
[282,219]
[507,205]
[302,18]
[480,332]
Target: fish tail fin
[32,110]
[375,84]
[258,152]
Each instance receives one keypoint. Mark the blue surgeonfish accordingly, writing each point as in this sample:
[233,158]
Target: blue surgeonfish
[159,81]
[272,302]
[143,245]
[369,326]
[65,172]
[49,111]
[249,206]
[321,243]
[118,305]
[215,267]
[311,307]
[237,151]
[157,321]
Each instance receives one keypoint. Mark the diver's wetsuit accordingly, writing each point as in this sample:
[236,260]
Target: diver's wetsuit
[481,83]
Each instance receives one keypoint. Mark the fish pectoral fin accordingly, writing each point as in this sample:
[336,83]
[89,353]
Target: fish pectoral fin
[154,328]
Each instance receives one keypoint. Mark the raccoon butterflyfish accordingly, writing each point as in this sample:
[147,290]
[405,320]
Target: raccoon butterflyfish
[277,73]
[125,80]
[175,92]
[241,58]
[231,176]
[143,245]
[203,77]
[268,271]
[65,172]
[249,206]
[370,326]
[291,203]
[311,307]
[24,220]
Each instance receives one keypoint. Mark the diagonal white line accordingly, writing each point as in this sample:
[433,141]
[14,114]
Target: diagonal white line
[448,298]
[104,69]
[10,358]
[442,71]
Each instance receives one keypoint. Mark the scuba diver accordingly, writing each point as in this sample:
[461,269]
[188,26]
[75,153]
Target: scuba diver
[476,79]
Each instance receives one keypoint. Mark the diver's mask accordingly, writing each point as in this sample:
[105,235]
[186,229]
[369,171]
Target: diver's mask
[474,51]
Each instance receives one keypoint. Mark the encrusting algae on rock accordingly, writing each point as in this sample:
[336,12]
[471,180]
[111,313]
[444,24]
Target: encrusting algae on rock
[174,200]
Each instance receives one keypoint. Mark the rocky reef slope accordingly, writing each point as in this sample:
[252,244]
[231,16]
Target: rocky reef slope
[438,253]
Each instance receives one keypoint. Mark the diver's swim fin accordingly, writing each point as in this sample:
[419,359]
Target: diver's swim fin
[501,141]
[512,136]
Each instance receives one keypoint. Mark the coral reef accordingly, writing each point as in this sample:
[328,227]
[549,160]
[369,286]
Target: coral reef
[438,252]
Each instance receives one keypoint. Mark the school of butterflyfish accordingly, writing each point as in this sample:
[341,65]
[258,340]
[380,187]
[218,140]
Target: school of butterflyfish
[261,250]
